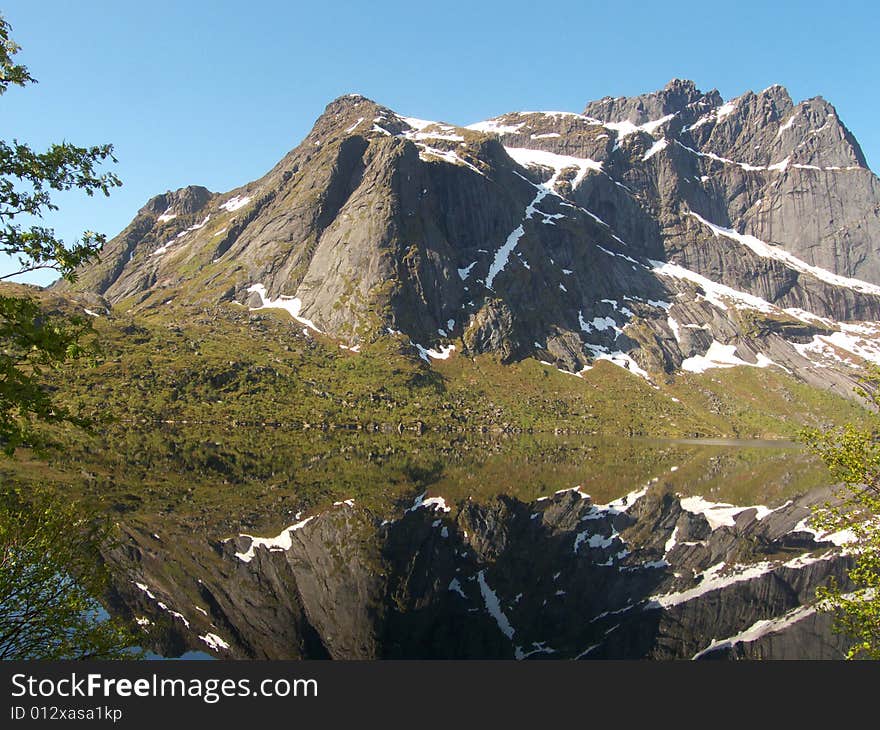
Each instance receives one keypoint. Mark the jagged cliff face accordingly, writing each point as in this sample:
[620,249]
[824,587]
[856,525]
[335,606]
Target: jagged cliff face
[650,575]
[663,232]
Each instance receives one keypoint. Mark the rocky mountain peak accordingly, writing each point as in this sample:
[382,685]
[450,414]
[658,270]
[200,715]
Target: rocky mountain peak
[344,105]
[778,94]
[684,86]
[677,96]
[185,201]
[768,129]
[831,133]
[349,114]
[763,108]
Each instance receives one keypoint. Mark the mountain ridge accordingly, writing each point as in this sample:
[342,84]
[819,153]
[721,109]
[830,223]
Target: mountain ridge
[637,238]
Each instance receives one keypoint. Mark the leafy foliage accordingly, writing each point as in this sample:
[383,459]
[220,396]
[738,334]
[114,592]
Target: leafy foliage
[33,340]
[48,550]
[27,179]
[853,456]
[10,73]
[29,340]
[49,580]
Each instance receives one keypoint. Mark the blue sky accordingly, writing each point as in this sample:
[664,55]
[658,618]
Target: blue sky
[214,93]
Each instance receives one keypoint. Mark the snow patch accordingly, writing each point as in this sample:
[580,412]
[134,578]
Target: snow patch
[725,110]
[354,126]
[720,514]
[558,163]
[433,503]
[214,641]
[235,203]
[658,146]
[848,340]
[605,511]
[766,251]
[719,295]
[714,581]
[626,128]
[293,305]
[538,647]
[721,356]
[493,606]
[427,152]
[787,125]
[145,589]
[455,587]
[416,123]
[428,354]
[621,359]
[671,542]
[282,542]
[760,629]
[493,125]
[717,514]
[841,538]
[776,167]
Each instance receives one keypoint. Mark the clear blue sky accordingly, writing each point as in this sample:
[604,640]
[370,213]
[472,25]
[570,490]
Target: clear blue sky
[214,93]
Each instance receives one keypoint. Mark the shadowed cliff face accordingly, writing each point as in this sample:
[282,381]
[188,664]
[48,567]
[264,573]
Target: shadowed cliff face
[650,575]
[644,232]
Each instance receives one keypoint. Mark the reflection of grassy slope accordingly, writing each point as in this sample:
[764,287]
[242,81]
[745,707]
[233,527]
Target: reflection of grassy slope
[254,479]
[225,480]
[746,476]
[606,469]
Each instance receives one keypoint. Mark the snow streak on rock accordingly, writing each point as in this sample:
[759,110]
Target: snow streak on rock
[292,305]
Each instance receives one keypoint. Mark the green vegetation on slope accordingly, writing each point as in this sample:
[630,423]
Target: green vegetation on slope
[229,366]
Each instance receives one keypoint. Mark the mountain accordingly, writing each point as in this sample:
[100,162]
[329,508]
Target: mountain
[670,231]
[438,283]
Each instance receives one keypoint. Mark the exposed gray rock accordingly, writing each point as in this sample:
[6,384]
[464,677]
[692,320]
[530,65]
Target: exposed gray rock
[679,96]
[642,577]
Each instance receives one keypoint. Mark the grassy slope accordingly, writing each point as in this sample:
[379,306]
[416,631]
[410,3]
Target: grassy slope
[227,365]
